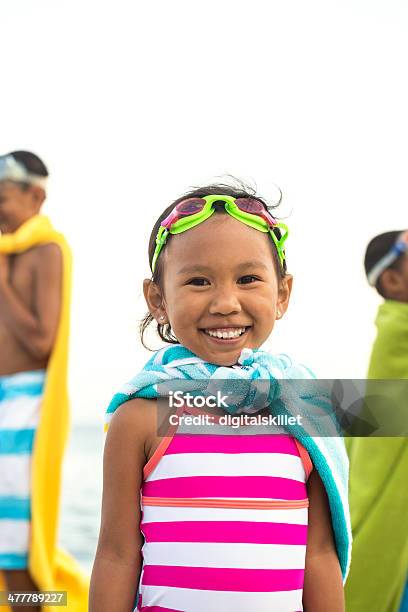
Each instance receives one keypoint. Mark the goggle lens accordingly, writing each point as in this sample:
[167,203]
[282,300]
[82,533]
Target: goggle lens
[191,206]
[255,207]
[248,205]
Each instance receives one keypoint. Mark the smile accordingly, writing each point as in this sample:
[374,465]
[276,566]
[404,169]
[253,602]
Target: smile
[226,333]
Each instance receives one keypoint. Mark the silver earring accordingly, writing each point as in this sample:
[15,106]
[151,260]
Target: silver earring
[278,314]
[161,317]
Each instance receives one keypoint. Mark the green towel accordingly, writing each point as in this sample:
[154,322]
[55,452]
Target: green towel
[389,357]
[379,485]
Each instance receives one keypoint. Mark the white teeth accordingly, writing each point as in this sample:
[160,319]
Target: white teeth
[225,334]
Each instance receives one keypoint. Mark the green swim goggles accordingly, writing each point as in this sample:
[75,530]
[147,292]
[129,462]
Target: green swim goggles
[193,211]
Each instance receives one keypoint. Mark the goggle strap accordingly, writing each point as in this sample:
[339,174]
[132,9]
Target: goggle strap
[161,239]
[162,236]
[279,242]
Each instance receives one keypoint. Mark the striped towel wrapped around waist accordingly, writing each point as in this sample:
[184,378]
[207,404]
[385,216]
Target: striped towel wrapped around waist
[20,402]
[224,517]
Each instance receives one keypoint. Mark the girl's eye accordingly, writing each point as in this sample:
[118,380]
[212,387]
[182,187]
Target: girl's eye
[198,282]
[245,280]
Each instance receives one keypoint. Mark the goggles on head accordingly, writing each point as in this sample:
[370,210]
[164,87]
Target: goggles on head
[13,170]
[193,211]
[399,248]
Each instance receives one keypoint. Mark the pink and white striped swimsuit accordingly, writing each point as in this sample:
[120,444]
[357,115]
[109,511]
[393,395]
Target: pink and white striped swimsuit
[224,517]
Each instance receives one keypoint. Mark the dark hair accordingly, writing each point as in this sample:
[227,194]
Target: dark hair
[31,162]
[238,190]
[376,249]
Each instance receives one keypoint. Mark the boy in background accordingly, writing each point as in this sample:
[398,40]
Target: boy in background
[379,466]
[34,322]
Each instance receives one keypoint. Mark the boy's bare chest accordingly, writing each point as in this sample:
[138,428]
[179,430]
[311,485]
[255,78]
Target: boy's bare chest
[22,277]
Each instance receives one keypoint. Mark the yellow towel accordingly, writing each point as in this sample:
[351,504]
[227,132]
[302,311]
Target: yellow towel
[50,567]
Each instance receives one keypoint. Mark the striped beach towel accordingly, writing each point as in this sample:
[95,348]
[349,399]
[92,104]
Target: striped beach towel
[20,402]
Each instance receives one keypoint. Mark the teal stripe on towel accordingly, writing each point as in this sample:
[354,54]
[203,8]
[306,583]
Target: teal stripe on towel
[16,441]
[29,384]
[15,508]
[32,390]
[13,561]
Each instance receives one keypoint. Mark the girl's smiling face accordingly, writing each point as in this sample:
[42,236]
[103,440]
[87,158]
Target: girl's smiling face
[221,289]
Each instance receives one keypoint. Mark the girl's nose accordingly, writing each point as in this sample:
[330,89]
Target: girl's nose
[224,302]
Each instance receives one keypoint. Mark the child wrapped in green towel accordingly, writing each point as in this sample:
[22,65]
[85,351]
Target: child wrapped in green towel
[379,466]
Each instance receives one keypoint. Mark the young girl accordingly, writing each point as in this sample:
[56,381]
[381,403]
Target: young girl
[217,521]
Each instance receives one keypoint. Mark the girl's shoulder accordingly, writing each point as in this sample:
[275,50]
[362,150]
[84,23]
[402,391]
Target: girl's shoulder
[138,422]
[138,412]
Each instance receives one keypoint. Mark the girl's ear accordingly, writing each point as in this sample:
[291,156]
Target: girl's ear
[284,292]
[154,300]
[392,283]
[37,197]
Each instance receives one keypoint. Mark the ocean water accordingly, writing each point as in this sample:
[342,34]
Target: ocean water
[81,493]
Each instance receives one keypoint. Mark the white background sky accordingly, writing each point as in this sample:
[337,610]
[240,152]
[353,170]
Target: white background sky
[131,103]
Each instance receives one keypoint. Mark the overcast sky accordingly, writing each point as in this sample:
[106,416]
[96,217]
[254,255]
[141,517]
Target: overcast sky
[131,103]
